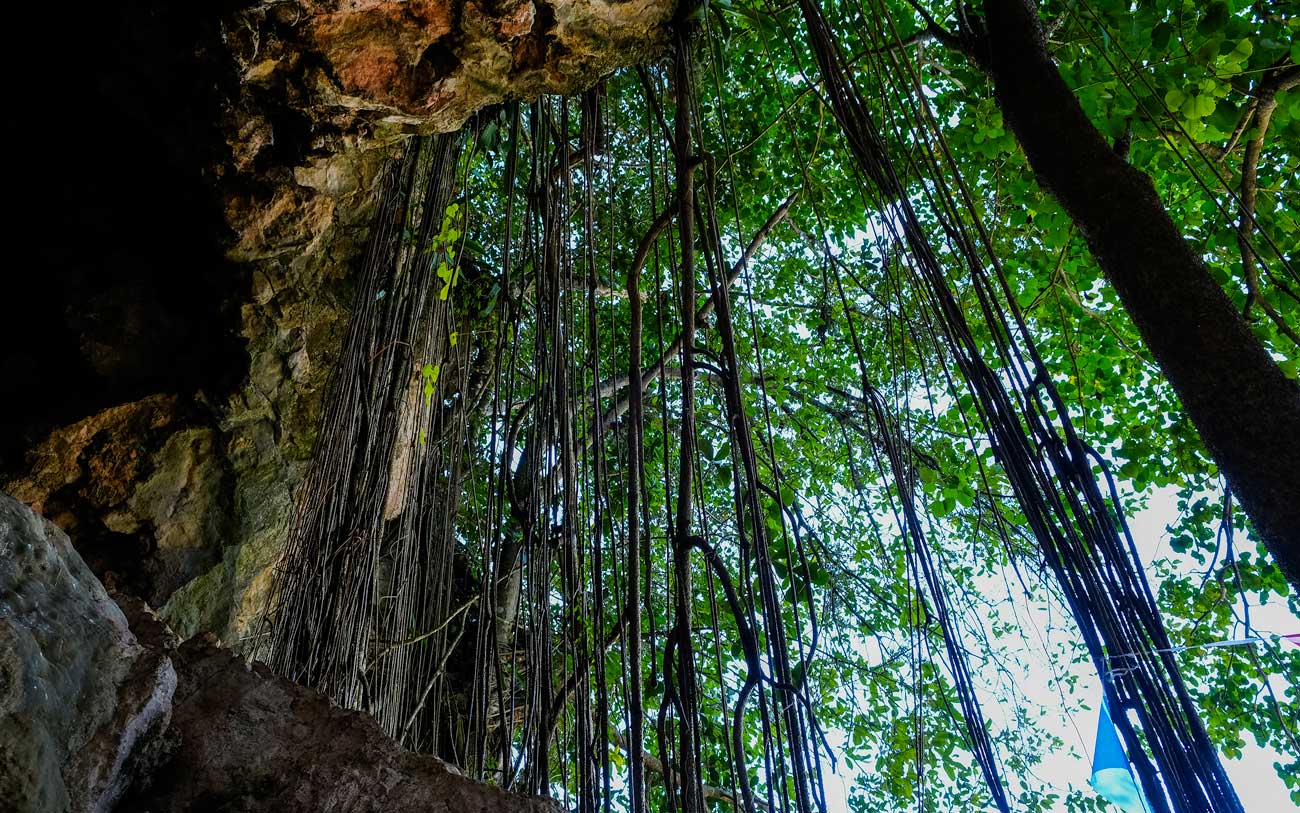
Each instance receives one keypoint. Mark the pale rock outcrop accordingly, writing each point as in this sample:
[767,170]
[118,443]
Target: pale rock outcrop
[82,703]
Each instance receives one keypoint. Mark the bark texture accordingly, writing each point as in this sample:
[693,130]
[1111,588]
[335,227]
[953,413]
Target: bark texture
[1246,410]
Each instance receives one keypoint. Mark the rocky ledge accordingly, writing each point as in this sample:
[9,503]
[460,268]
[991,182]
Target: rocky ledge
[102,709]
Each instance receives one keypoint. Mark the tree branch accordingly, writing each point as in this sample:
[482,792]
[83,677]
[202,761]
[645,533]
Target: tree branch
[707,791]
[1265,102]
[654,370]
[1215,363]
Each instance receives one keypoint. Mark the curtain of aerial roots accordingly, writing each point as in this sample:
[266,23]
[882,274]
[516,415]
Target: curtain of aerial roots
[1084,538]
[504,547]
[600,577]
[600,617]
[368,559]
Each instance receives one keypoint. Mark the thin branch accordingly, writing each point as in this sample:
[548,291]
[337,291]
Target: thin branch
[422,636]
[708,791]
[1284,78]
[935,32]
[674,348]
[1239,130]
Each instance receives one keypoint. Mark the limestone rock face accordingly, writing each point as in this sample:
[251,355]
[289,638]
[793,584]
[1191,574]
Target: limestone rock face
[427,65]
[82,703]
[141,487]
[102,709]
[323,87]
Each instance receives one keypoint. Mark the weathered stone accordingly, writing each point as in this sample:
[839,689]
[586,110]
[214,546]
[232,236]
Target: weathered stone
[99,455]
[429,64]
[93,716]
[141,489]
[249,741]
[82,704]
[150,631]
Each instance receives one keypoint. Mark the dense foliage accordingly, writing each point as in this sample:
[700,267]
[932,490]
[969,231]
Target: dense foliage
[1177,85]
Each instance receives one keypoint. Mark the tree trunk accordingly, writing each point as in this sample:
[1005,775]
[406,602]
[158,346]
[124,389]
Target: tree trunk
[1246,411]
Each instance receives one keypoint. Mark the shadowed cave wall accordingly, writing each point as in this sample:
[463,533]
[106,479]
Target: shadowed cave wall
[120,288]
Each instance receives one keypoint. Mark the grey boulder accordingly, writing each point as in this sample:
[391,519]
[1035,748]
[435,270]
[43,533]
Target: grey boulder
[83,705]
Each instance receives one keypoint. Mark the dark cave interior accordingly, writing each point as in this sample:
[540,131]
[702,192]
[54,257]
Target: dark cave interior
[120,288]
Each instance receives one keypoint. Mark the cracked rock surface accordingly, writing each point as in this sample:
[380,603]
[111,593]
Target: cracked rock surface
[426,65]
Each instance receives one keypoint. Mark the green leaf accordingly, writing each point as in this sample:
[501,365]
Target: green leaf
[1160,36]
[429,373]
[1216,16]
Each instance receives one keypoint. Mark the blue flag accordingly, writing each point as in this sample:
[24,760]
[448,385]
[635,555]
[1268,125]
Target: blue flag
[1111,776]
